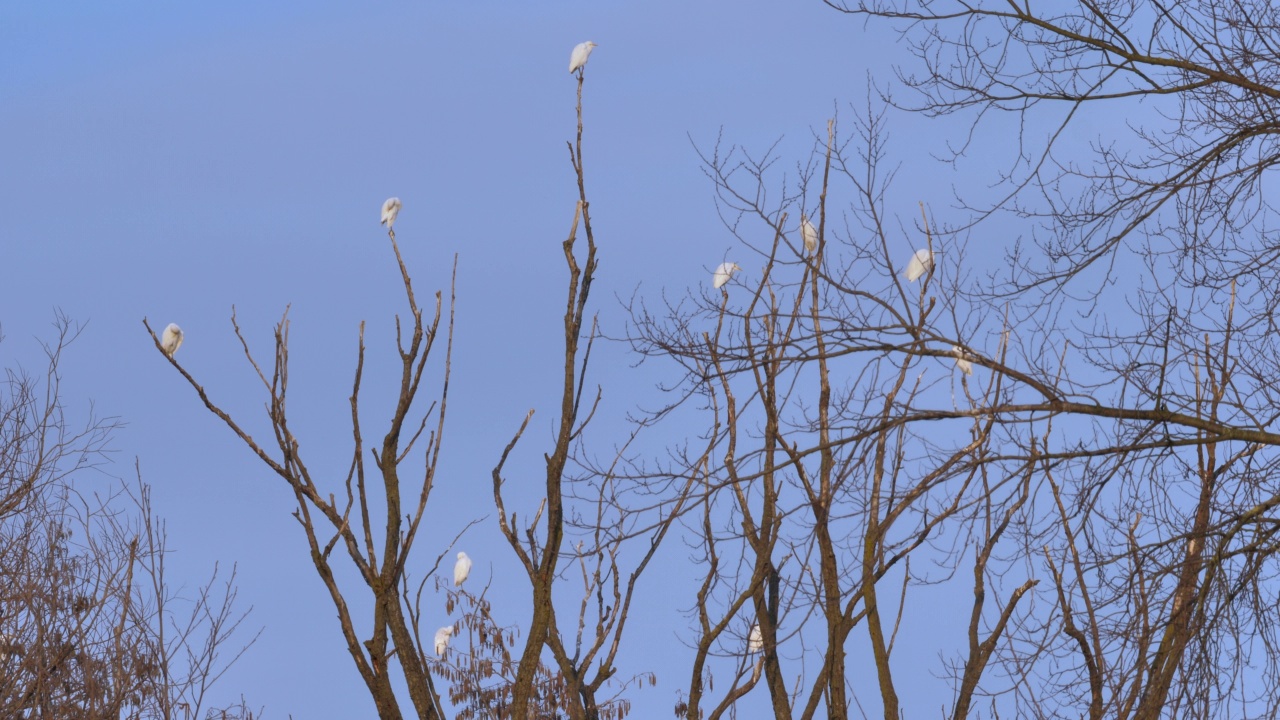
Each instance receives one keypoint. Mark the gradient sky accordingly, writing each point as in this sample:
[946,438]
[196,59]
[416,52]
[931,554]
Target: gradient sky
[171,160]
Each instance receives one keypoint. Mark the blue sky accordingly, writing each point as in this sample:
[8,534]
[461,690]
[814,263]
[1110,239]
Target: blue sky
[171,160]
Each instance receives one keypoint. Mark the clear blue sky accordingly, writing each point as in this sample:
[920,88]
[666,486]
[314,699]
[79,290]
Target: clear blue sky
[170,160]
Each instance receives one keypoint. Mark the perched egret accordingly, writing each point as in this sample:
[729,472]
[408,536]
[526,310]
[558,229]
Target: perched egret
[755,640]
[961,363]
[921,263]
[171,340]
[390,209]
[461,569]
[809,233]
[578,59]
[442,640]
[723,273]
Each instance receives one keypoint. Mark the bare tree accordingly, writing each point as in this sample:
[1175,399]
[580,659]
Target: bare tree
[89,623]
[378,548]
[562,666]
[1102,485]
[1161,552]
[38,447]
[817,492]
[1085,460]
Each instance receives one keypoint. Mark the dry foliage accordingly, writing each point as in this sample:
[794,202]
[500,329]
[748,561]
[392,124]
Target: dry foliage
[89,625]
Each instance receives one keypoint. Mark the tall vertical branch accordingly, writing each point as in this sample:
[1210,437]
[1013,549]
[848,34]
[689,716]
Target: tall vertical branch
[542,563]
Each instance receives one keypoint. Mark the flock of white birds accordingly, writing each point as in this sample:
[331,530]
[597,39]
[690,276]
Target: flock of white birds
[171,340]
[461,570]
[921,263]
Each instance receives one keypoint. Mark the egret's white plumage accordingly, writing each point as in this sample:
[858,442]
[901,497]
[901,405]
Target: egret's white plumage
[921,263]
[809,233]
[461,569]
[961,363]
[723,273]
[755,640]
[171,340]
[578,59]
[390,209]
[442,640]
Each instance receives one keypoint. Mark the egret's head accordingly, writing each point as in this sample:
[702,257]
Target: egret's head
[461,555]
[591,44]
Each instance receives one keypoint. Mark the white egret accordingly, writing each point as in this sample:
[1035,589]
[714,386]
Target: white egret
[390,209]
[171,340]
[809,233]
[581,51]
[723,273]
[461,569]
[961,363]
[921,263]
[755,640]
[442,640]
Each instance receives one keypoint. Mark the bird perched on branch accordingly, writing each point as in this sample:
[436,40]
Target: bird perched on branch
[390,209]
[171,340]
[809,233]
[723,273]
[921,263]
[442,640]
[461,569]
[578,59]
